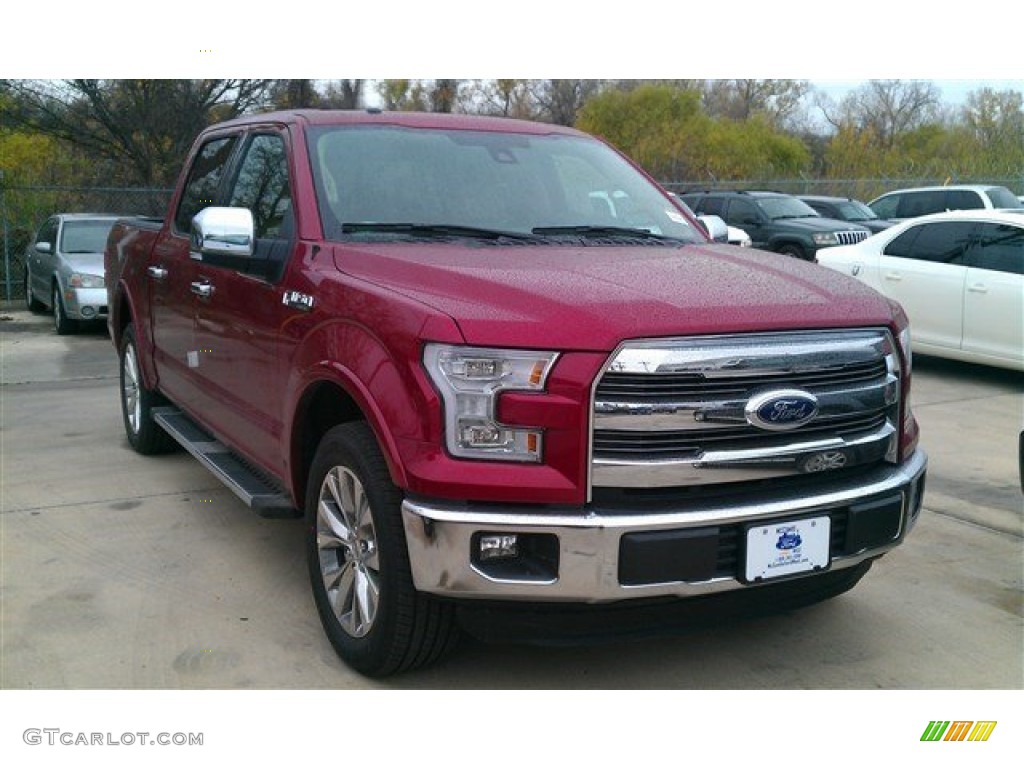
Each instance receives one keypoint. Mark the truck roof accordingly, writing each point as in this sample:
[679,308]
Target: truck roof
[411,119]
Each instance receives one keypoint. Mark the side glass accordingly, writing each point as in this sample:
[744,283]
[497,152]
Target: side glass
[203,180]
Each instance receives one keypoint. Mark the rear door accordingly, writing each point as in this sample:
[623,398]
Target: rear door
[923,269]
[994,295]
[172,272]
[41,263]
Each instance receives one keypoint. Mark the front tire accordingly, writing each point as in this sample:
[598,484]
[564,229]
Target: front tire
[359,564]
[61,322]
[137,402]
[794,250]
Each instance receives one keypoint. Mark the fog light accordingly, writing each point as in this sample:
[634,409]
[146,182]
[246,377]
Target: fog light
[88,312]
[493,547]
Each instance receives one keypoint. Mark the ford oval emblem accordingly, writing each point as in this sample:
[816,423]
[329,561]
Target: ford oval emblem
[781,409]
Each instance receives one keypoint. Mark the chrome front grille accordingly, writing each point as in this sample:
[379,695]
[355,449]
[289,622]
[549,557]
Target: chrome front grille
[852,236]
[679,411]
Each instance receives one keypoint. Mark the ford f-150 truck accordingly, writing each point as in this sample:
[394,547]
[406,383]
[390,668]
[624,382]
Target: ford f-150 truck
[502,374]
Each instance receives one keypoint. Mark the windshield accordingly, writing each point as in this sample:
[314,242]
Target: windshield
[786,208]
[854,211]
[85,236]
[457,183]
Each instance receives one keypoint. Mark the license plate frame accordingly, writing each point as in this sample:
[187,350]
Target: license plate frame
[787,548]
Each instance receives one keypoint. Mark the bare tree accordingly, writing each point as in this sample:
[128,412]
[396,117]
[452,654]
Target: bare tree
[294,94]
[344,94]
[443,95]
[561,100]
[887,108]
[144,127]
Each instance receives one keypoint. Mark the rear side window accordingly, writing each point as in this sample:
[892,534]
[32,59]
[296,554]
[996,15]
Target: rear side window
[712,206]
[940,243]
[913,204]
[203,180]
[1000,248]
[1001,197]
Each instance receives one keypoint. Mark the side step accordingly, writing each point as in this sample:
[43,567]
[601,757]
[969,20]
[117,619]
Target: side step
[260,495]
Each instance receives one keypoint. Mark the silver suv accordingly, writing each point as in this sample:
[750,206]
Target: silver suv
[920,201]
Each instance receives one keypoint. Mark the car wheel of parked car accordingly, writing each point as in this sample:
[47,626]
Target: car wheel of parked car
[358,562]
[137,402]
[32,304]
[794,250]
[61,323]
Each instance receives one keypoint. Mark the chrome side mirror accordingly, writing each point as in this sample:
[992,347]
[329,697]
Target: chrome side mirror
[222,232]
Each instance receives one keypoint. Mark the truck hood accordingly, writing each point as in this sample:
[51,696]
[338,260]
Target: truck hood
[812,224]
[592,298]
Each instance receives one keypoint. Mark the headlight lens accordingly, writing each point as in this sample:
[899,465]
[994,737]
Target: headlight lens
[78,280]
[470,380]
[825,238]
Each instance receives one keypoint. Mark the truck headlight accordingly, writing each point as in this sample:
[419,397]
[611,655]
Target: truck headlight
[470,379]
[825,238]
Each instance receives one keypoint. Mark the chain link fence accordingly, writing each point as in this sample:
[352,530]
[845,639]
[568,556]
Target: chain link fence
[24,209]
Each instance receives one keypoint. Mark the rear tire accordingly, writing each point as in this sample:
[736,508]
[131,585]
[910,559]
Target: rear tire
[137,402]
[32,304]
[359,564]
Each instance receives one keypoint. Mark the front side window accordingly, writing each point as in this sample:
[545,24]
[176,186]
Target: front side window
[48,233]
[963,200]
[204,178]
[998,247]
[372,181]
[262,185]
[940,242]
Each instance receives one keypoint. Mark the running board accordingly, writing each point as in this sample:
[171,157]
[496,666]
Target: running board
[262,497]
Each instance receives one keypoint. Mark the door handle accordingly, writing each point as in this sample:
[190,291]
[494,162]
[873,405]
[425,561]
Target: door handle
[978,288]
[894,276]
[157,273]
[202,289]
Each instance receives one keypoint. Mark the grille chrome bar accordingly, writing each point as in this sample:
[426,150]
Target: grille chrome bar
[675,412]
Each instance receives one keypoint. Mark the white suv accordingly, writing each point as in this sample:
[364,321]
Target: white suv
[911,203]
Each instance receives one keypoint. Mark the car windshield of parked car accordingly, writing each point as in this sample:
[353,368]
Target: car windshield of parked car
[787,208]
[854,211]
[389,182]
[86,236]
[1001,197]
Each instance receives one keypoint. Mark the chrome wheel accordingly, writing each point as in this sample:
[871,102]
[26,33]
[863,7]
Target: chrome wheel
[130,389]
[347,545]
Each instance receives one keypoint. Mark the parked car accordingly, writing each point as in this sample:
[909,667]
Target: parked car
[921,201]
[776,222]
[64,269]
[959,276]
[847,209]
[715,226]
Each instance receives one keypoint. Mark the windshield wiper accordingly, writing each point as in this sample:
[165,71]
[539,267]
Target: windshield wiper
[595,231]
[432,230]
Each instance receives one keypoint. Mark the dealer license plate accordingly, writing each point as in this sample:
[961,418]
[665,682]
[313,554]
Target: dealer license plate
[782,549]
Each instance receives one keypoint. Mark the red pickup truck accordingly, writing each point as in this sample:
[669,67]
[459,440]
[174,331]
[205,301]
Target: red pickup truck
[504,376]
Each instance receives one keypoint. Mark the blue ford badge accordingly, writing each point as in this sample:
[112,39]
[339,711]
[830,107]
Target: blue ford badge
[790,539]
[781,409]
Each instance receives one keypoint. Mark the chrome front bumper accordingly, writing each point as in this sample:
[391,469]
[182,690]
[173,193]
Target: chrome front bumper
[442,538]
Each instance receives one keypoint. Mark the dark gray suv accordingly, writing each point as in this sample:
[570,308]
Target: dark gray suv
[777,222]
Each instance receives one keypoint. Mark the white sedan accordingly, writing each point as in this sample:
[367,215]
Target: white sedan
[959,276]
